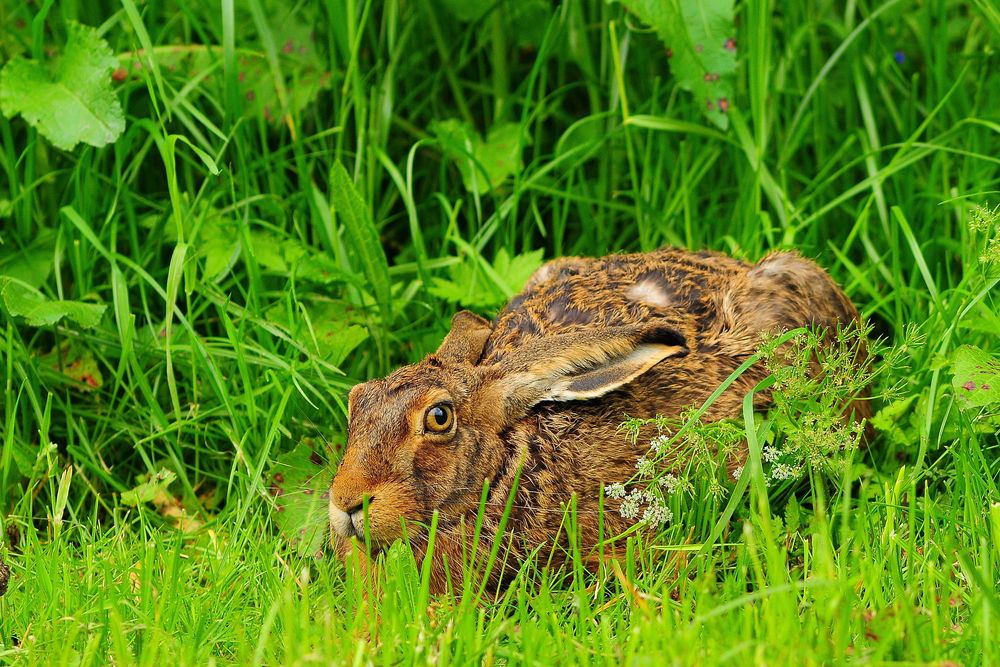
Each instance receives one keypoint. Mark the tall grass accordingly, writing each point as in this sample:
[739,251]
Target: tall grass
[862,134]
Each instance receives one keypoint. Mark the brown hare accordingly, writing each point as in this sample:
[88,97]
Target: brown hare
[540,393]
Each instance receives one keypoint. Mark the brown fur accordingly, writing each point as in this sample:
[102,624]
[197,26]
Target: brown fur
[540,393]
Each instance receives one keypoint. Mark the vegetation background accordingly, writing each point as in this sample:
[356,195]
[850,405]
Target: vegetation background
[274,200]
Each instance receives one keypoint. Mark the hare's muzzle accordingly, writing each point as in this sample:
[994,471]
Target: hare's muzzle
[349,522]
[350,500]
[341,522]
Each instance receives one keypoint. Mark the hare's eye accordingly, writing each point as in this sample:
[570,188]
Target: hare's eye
[439,418]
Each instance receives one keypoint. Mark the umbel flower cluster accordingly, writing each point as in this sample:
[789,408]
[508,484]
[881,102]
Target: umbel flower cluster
[983,221]
[815,376]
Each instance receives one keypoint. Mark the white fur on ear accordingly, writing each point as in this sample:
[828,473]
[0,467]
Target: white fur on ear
[612,375]
[582,379]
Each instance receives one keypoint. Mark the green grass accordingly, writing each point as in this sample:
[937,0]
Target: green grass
[208,363]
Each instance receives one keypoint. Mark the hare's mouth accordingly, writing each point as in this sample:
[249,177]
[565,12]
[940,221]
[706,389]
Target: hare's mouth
[348,525]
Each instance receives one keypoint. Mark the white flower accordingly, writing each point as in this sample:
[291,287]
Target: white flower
[784,471]
[657,514]
[645,467]
[770,454]
[616,490]
[669,482]
[658,443]
[629,508]
[737,472]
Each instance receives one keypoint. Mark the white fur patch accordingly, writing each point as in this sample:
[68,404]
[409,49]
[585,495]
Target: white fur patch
[648,291]
[340,521]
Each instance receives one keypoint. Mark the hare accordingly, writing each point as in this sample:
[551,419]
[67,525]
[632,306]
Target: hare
[537,397]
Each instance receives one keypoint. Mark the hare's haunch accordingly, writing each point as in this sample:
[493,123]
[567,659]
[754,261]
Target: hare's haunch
[539,393]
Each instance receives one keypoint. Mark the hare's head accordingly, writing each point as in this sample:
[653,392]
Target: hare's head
[425,437]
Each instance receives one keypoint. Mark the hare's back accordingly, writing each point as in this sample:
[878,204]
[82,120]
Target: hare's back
[578,293]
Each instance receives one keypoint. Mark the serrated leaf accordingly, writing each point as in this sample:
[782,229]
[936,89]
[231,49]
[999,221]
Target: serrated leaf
[334,334]
[793,516]
[21,300]
[484,166]
[471,287]
[516,270]
[149,489]
[291,257]
[891,423]
[299,483]
[701,46]
[73,104]
[977,377]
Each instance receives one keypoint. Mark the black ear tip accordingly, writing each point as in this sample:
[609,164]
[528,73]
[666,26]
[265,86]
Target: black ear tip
[665,335]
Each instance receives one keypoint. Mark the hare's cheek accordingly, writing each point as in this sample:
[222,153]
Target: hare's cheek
[434,464]
[393,504]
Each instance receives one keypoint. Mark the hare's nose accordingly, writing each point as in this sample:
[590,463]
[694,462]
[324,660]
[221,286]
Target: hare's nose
[360,506]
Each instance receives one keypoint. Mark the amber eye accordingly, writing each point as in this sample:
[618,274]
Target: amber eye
[439,418]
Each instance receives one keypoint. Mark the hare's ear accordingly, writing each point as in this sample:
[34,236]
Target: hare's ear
[465,341]
[578,366]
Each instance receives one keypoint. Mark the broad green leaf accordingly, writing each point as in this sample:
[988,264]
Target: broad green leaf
[471,287]
[267,251]
[516,270]
[335,340]
[893,423]
[334,334]
[218,244]
[299,483]
[291,257]
[484,166]
[354,215]
[149,489]
[701,46]
[75,102]
[22,300]
[30,265]
[75,362]
[977,377]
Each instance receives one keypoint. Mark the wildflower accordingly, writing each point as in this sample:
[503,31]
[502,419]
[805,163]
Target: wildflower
[669,483]
[982,218]
[616,490]
[784,471]
[658,443]
[770,454]
[737,472]
[657,514]
[645,467]
[630,505]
